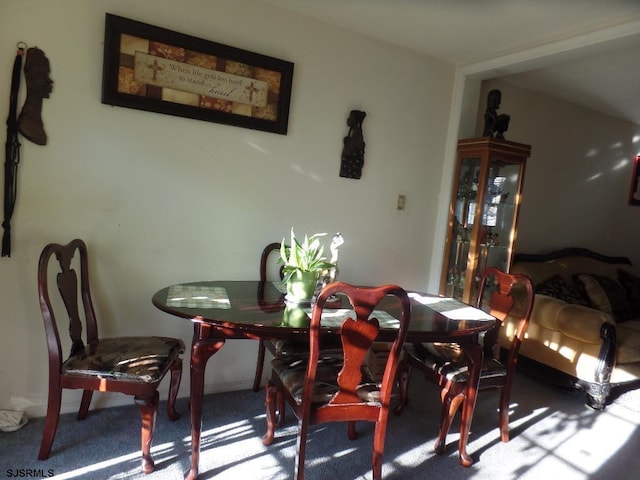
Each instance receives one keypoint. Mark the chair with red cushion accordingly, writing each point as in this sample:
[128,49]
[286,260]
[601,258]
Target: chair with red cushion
[130,365]
[503,295]
[323,386]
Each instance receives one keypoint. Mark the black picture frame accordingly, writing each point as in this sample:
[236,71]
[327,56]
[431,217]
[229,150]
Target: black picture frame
[192,77]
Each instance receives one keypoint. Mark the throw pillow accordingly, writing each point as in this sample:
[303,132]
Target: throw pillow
[556,286]
[593,291]
[606,294]
[631,285]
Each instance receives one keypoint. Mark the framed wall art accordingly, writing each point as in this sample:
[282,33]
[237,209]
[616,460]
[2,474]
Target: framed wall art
[158,70]
[634,191]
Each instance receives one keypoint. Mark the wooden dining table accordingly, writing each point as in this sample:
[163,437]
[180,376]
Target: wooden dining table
[223,310]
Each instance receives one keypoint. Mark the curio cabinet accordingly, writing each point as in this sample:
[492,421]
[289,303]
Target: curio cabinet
[483,213]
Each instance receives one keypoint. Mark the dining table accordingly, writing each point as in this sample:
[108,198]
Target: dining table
[232,309]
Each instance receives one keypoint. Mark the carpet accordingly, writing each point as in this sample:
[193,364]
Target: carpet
[553,435]
[629,400]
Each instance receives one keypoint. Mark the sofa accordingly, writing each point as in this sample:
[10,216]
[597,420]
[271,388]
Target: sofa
[584,330]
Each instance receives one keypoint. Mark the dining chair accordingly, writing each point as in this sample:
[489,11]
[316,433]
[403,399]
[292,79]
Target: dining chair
[265,344]
[131,365]
[503,295]
[325,387]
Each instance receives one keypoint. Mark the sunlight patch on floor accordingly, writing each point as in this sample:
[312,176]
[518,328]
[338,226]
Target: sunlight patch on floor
[131,459]
[558,448]
[408,458]
[344,452]
[226,431]
[276,461]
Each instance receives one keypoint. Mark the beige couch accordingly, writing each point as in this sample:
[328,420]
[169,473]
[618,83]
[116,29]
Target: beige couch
[584,330]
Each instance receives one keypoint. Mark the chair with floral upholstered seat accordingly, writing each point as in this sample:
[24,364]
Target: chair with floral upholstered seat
[504,296]
[130,365]
[323,386]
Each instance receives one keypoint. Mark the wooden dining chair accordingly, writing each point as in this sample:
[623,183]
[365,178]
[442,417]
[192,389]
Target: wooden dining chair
[263,344]
[503,295]
[322,387]
[130,365]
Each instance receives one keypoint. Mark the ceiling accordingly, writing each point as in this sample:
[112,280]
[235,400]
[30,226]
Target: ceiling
[583,51]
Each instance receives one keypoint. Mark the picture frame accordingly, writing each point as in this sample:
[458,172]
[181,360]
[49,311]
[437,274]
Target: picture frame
[158,70]
[634,190]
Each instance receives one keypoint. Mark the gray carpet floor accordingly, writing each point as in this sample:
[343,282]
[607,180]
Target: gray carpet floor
[553,435]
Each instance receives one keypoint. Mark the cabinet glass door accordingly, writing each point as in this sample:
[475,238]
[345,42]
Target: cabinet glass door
[498,216]
[463,221]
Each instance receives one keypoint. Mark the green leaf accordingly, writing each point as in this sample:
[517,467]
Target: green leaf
[307,256]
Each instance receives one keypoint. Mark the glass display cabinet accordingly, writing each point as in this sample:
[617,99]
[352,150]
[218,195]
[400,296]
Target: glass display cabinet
[483,213]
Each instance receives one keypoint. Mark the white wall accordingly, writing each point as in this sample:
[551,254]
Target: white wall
[578,178]
[162,199]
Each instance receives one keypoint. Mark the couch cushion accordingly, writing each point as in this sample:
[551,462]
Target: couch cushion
[606,294]
[628,342]
[545,311]
[631,285]
[557,287]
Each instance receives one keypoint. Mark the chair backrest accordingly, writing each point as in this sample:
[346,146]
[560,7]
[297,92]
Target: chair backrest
[76,297]
[264,261]
[506,295]
[357,336]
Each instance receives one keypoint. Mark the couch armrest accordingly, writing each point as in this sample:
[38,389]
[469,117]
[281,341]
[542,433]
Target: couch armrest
[583,323]
[575,321]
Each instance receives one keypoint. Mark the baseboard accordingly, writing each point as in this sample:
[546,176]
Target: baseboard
[71,398]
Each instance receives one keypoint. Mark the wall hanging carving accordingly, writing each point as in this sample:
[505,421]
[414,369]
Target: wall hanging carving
[353,149]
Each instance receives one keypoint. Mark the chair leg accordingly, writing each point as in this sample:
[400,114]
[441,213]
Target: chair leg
[259,366]
[451,397]
[402,378]
[301,450]
[174,386]
[503,415]
[50,422]
[378,446]
[271,400]
[148,409]
[352,434]
[281,409]
[85,403]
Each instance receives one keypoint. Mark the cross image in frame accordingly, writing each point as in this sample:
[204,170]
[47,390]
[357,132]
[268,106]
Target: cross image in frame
[158,70]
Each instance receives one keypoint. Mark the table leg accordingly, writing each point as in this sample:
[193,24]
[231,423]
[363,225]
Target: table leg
[206,342]
[475,355]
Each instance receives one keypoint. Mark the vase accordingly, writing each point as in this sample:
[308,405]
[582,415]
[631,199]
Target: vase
[295,316]
[301,286]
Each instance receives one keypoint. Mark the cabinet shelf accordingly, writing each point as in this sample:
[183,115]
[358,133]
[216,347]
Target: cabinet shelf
[484,208]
